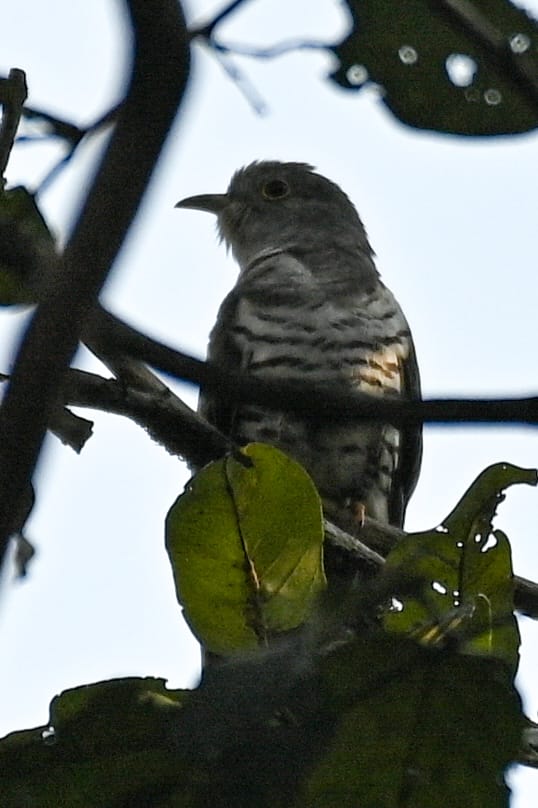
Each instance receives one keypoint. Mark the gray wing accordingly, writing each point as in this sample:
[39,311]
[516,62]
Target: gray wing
[223,350]
[408,470]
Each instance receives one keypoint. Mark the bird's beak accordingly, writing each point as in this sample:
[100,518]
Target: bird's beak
[212,203]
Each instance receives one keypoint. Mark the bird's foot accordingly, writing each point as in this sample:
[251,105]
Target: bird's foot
[358,511]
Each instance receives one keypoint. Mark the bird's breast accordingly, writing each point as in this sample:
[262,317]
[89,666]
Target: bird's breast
[361,342]
[358,342]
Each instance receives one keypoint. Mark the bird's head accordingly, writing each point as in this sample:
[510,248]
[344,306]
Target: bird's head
[272,205]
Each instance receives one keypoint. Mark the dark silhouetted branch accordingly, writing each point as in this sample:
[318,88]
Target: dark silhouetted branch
[526,597]
[167,419]
[271,52]
[70,133]
[159,75]
[309,401]
[206,30]
[384,537]
[71,429]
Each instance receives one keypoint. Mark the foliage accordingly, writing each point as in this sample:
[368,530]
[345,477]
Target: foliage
[245,541]
[339,713]
[378,721]
[437,73]
[463,589]
[27,246]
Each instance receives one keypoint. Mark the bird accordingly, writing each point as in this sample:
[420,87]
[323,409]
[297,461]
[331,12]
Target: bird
[309,306]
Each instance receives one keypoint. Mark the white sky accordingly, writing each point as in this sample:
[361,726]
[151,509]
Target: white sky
[453,223]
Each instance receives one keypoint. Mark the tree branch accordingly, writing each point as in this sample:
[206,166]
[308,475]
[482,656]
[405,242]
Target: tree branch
[72,134]
[308,401]
[272,51]
[167,419]
[526,597]
[206,30]
[183,432]
[159,75]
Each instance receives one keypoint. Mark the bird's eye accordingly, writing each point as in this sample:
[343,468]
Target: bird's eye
[275,189]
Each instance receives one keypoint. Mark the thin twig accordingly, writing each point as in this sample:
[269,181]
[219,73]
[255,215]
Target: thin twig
[206,30]
[245,87]
[353,547]
[206,34]
[222,52]
[73,135]
[58,127]
[273,51]
[66,130]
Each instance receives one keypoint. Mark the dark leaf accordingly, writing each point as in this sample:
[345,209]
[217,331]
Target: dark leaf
[415,728]
[26,247]
[107,744]
[434,75]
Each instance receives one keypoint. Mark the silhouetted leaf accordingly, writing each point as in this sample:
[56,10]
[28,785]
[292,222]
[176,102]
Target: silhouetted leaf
[434,75]
[377,721]
[415,728]
[26,246]
[105,744]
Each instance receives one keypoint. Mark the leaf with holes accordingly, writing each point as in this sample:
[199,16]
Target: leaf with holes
[245,543]
[435,73]
[454,584]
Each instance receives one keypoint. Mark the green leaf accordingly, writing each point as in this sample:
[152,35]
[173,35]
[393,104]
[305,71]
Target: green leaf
[375,720]
[26,246]
[404,48]
[245,542]
[414,728]
[455,583]
[104,744]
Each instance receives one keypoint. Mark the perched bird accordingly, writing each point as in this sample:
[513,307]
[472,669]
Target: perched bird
[309,305]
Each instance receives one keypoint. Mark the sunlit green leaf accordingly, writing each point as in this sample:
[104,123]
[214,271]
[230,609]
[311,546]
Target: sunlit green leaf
[245,542]
[455,582]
